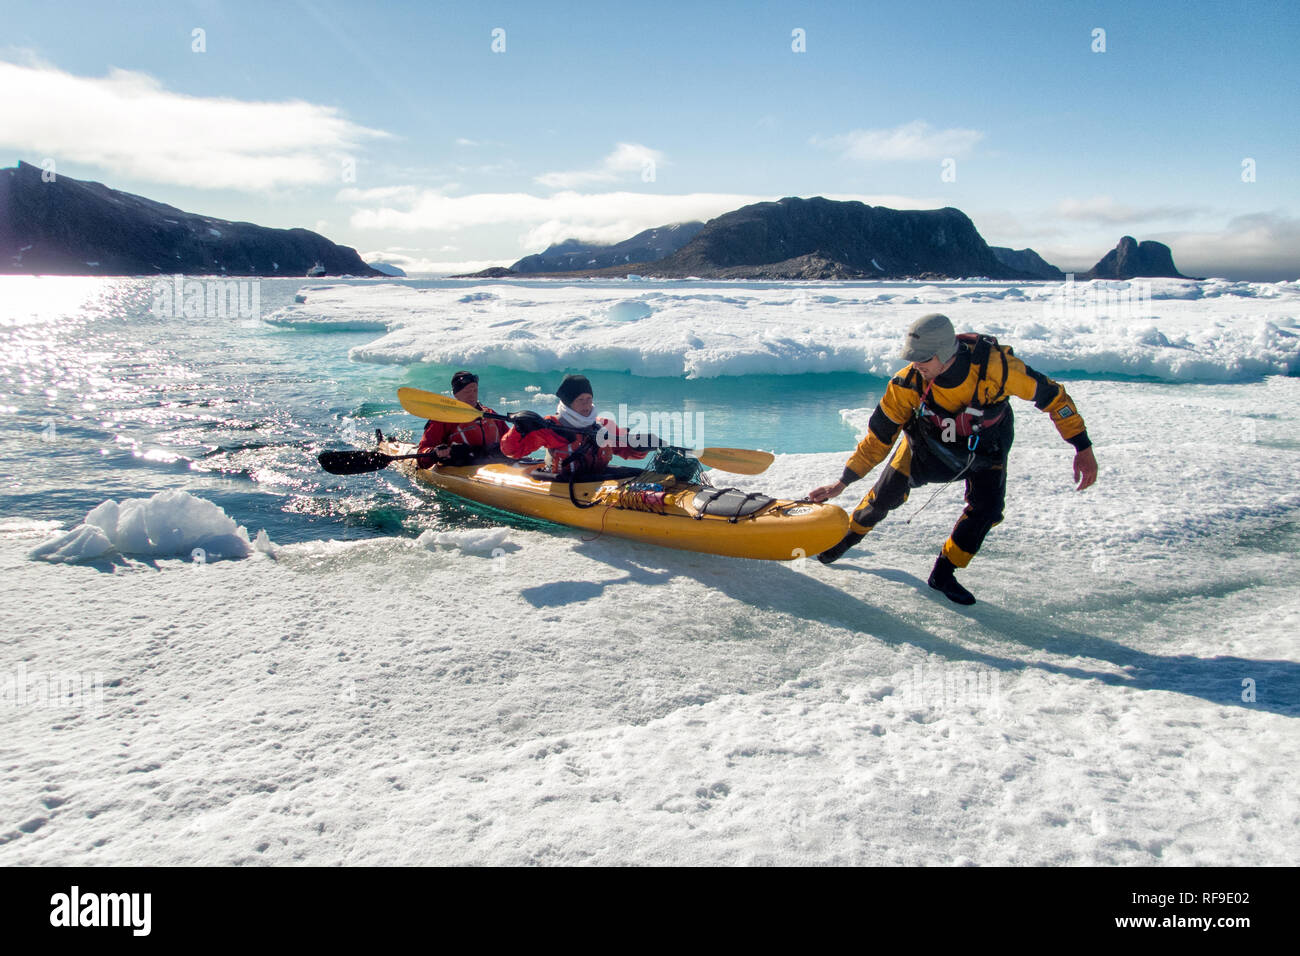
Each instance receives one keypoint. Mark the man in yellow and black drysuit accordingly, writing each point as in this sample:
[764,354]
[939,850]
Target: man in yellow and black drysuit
[951,405]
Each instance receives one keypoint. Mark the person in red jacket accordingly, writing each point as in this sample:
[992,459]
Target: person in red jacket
[459,443]
[572,454]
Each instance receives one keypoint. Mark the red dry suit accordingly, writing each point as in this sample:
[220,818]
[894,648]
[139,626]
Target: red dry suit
[592,452]
[482,432]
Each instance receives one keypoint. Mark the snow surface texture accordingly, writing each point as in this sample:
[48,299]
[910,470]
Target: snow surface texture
[169,524]
[1126,691]
[1169,329]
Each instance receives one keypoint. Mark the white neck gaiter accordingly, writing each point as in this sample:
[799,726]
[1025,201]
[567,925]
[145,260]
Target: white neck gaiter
[569,417]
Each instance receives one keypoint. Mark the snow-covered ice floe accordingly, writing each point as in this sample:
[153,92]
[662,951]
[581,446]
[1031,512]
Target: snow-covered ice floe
[469,541]
[1125,693]
[1168,329]
[168,524]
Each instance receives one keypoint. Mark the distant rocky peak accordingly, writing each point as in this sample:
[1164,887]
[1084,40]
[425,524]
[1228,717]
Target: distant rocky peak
[1131,259]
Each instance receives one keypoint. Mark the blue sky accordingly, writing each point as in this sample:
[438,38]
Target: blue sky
[396,128]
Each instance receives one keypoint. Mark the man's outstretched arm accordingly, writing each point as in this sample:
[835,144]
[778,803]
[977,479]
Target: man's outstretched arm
[1051,397]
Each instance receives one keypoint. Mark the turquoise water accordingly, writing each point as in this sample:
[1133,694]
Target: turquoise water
[101,398]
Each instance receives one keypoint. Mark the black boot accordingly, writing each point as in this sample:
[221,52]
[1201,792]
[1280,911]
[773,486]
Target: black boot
[941,579]
[837,551]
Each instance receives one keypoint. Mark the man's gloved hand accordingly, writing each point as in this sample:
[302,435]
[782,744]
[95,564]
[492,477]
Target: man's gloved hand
[526,422]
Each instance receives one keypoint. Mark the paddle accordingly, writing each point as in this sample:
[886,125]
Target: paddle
[440,408]
[736,460]
[359,462]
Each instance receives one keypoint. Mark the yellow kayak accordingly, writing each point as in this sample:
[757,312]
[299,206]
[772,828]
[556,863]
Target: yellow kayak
[689,517]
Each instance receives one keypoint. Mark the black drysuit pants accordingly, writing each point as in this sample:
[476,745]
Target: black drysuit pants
[912,465]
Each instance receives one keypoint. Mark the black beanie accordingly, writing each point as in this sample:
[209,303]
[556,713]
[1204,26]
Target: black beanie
[461,379]
[572,387]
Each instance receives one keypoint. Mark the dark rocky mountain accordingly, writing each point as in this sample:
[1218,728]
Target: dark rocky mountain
[802,239]
[646,246]
[826,239]
[1132,259]
[75,227]
[492,272]
[822,238]
[1027,261]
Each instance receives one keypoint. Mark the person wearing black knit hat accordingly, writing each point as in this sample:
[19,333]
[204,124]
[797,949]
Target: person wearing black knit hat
[460,380]
[459,444]
[572,387]
[584,447]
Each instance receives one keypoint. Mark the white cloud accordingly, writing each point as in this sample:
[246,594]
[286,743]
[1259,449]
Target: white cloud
[1002,228]
[1105,210]
[911,141]
[1262,246]
[626,160]
[128,124]
[589,215]
[417,260]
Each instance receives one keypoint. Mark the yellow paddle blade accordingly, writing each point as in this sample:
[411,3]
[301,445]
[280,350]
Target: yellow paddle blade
[739,461]
[435,407]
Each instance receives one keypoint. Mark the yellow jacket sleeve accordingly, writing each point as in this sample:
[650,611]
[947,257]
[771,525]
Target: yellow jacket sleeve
[900,401]
[1047,395]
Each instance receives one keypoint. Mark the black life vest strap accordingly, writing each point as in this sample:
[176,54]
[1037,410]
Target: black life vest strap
[748,498]
[570,467]
[704,508]
[983,349]
[573,495]
[1006,374]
